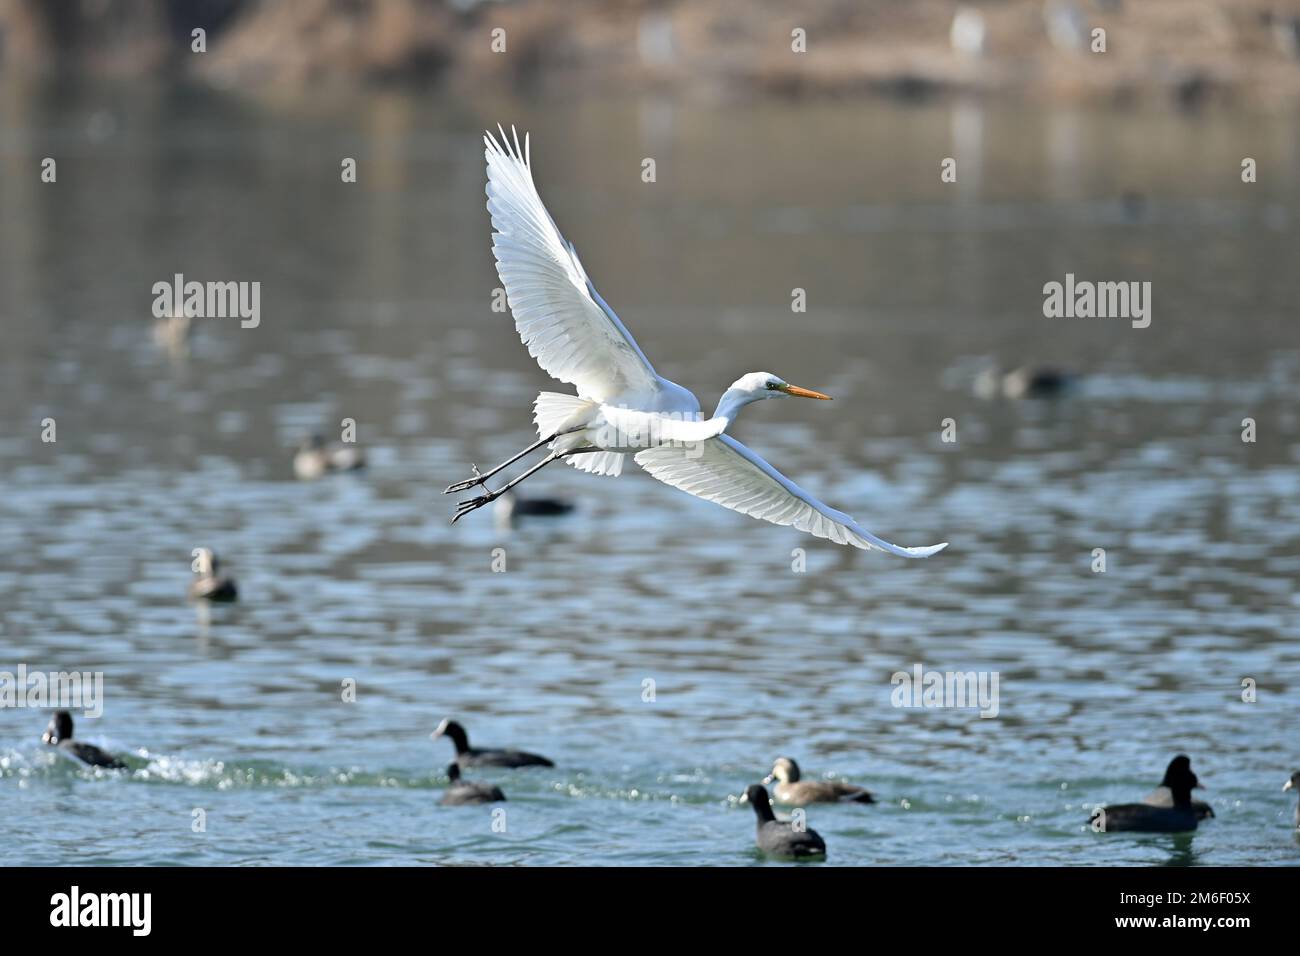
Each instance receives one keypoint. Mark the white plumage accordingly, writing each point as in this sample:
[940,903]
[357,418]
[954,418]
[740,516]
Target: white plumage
[623,407]
[573,337]
[724,471]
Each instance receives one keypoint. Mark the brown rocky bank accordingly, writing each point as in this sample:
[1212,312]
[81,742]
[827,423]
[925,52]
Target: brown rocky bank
[1191,51]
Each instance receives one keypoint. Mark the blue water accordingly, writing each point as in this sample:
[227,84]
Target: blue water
[376,306]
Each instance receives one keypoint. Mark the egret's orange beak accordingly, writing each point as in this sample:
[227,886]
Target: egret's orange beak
[803,392]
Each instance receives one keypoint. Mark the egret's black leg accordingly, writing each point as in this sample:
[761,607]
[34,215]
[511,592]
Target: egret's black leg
[473,504]
[479,479]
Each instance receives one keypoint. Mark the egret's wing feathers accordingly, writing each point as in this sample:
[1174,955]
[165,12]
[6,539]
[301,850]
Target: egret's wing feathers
[724,471]
[566,326]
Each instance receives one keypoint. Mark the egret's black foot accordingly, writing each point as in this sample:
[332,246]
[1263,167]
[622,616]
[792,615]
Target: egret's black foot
[473,504]
[467,483]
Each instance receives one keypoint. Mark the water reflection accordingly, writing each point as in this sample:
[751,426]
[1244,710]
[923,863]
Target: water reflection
[377,306]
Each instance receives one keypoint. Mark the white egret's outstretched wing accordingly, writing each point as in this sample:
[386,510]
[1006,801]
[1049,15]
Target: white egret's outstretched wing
[724,471]
[567,327]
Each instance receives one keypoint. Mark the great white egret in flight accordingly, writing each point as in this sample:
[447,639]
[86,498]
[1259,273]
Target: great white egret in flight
[623,407]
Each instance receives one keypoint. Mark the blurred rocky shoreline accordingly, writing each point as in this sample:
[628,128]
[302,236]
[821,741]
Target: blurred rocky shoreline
[1190,52]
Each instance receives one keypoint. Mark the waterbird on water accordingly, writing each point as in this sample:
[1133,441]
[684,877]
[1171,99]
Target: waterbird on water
[462,792]
[793,791]
[1163,795]
[211,584]
[1024,382]
[1293,783]
[171,332]
[510,507]
[467,756]
[968,32]
[777,837]
[623,407]
[315,458]
[1178,817]
[59,734]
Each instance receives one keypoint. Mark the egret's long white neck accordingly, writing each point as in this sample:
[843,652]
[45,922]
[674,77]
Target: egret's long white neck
[732,401]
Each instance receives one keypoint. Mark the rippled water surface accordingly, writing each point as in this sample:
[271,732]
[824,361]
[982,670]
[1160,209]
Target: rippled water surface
[376,305]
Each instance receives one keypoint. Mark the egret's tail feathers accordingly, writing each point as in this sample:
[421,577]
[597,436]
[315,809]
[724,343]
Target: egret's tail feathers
[554,412]
[599,462]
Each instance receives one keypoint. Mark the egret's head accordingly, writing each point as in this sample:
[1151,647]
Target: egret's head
[784,770]
[760,385]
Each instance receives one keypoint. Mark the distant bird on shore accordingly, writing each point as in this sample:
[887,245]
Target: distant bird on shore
[467,756]
[623,406]
[59,734]
[1286,34]
[779,838]
[210,584]
[1067,27]
[315,458]
[1293,783]
[968,32]
[462,792]
[793,791]
[1179,817]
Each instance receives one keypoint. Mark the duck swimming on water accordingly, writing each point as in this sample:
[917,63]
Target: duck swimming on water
[1293,783]
[171,333]
[1163,796]
[467,756]
[1180,816]
[211,584]
[793,791]
[1024,382]
[463,792]
[59,734]
[777,837]
[315,458]
[510,507]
